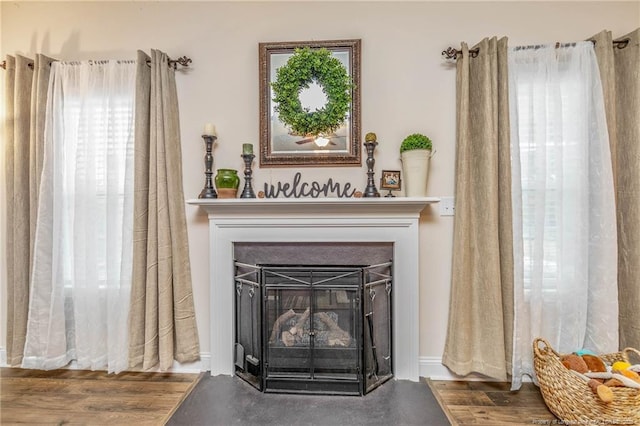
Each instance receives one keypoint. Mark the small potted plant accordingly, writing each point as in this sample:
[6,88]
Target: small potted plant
[415,152]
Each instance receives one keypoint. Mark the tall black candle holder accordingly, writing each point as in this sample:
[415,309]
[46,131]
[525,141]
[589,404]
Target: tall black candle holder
[247,192]
[370,144]
[208,191]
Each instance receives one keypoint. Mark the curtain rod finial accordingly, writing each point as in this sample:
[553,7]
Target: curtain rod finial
[184,61]
[450,53]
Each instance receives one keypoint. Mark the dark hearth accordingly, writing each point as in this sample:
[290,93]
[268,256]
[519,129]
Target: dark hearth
[313,329]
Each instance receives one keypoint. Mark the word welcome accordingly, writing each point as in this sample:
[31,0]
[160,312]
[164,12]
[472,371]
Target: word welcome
[304,189]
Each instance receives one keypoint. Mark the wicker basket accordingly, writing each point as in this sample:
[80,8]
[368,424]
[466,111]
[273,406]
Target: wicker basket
[572,401]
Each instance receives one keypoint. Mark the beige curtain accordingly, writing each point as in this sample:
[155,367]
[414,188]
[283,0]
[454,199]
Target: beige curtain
[479,334]
[162,324]
[620,74]
[26,84]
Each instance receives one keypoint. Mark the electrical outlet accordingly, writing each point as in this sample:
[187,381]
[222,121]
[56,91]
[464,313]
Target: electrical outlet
[447,206]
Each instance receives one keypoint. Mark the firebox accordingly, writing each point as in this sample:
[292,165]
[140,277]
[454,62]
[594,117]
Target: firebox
[313,329]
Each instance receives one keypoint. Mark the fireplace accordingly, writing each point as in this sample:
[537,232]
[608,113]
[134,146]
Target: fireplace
[313,328]
[392,221]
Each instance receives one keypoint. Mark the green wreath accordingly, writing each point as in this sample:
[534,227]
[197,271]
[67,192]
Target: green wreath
[304,67]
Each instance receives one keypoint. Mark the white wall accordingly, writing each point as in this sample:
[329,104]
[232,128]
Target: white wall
[406,86]
[3,202]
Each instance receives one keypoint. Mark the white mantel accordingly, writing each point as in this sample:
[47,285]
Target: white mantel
[299,220]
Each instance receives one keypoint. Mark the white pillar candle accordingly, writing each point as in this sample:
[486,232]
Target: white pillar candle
[209,130]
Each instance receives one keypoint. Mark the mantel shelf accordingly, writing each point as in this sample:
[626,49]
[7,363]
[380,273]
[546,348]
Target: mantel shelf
[314,206]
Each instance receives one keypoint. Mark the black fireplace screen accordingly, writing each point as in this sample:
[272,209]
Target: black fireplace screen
[314,329]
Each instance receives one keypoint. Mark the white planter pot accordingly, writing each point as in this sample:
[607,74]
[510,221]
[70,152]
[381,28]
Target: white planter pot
[415,167]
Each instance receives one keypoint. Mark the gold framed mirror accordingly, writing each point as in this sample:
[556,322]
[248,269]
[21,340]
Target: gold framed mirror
[280,146]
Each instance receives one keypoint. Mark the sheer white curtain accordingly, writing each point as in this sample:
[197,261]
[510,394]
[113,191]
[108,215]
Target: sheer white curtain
[565,250]
[81,276]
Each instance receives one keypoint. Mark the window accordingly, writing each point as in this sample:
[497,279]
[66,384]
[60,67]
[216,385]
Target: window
[81,275]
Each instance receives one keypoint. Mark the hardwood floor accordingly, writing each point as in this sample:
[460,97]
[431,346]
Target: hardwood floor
[90,397]
[491,403]
[94,397]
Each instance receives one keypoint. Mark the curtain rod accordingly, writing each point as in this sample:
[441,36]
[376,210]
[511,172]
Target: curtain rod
[183,61]
[452,53]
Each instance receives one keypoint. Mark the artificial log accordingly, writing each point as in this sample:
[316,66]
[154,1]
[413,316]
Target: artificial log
[277,326]
[337,336]
[294,334]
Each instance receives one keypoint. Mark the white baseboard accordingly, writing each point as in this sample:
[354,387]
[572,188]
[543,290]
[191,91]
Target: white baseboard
[432,368]
[193,367]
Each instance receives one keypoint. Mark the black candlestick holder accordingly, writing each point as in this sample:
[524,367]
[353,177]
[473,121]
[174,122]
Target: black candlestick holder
[247,192]
[208,191]
[370,145]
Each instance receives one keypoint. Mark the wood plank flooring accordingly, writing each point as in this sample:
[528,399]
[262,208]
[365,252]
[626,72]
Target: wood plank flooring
[94,397]
[491,403]
[90,397]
